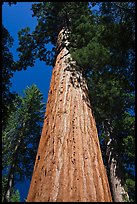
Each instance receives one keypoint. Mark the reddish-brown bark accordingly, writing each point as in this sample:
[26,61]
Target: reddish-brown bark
[68,164]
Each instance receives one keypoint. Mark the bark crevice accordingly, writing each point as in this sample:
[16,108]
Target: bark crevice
[69,146]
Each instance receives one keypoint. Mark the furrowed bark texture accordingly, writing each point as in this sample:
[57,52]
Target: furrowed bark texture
[115,177]
[119,193]
[69,165]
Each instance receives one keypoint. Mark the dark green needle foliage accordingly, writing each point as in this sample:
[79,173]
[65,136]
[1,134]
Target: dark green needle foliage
[112,89]
[52,17]
[113,104]
[21,136]
[103,45]
[15,195]
[7,73]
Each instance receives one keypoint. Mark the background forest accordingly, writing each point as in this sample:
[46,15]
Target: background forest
[103,42]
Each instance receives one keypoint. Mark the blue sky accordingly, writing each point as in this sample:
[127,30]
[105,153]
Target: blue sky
[14,18]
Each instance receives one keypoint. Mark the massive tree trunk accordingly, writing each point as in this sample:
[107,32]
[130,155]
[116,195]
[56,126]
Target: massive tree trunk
[69,165]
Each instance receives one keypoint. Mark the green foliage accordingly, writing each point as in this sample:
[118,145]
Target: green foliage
[129,140]
[15,196]
[119,26]
[112,103]
[23,127]
[21,136]
[103,45]
[112,35]
[112,87]
[90,34]
[7,73]
[51,17]
[4,184]
[130,187]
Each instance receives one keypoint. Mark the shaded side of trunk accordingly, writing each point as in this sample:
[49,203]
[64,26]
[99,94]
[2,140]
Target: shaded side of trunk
[115,177]
[69,165]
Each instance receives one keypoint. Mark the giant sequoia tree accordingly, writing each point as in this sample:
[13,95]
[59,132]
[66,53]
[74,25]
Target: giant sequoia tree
[69,165]
[81,49]
[111,83]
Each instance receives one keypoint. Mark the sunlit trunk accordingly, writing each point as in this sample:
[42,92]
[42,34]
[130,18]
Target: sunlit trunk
[115,176]
[69,165]
[9,184]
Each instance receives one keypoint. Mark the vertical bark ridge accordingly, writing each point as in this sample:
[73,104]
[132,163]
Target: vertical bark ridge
[68,165]
[92,156]
[99,166]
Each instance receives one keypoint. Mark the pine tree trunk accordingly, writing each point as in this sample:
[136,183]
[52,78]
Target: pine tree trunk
[11,173]
[69,165]
[115,177]
[9,184]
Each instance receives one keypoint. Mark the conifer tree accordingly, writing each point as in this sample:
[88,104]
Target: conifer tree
[113,95]
[20,139]
[111,104]
[69,165]
[7,73]
[87,38]
[111,73]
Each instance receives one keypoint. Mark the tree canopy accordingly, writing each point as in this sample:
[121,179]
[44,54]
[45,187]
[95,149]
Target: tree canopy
[103,45]
[7,74]
[21,136]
